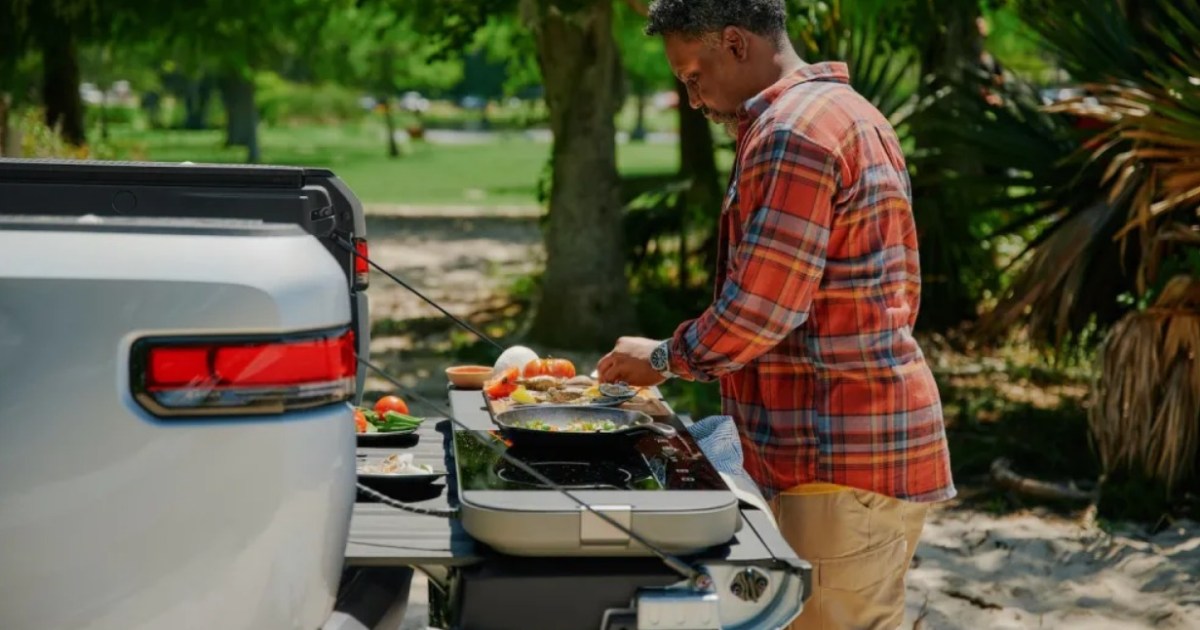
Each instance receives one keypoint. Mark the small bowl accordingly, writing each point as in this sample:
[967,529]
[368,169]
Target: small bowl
[468,376]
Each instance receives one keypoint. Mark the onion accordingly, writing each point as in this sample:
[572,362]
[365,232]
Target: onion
[516,356]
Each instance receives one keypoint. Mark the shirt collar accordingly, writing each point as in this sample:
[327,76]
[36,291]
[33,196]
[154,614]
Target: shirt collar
[835,71]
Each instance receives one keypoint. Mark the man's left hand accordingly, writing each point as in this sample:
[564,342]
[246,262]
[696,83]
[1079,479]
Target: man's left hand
[629,362]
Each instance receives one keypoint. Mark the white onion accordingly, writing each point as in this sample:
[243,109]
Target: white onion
[516,356]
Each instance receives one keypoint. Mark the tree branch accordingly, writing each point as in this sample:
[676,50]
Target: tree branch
[638,7]
[1004,477]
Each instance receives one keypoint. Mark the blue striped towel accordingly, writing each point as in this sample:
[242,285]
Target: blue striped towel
[717,437]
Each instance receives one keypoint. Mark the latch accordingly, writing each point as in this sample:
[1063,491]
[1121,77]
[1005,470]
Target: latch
[594,530]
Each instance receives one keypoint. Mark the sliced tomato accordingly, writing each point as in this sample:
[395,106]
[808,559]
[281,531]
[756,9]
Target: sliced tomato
[502,385]
[360,421]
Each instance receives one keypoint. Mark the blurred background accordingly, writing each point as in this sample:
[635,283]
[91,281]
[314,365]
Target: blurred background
[1054,149]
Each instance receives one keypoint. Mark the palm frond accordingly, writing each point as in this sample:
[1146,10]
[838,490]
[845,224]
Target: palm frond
[1146,406]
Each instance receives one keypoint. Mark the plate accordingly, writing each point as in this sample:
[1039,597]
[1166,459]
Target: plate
[391,438]
[402,486]
[399,479]
[408,488]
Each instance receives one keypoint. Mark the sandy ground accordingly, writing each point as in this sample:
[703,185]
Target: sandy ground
[976,570]
[972,570]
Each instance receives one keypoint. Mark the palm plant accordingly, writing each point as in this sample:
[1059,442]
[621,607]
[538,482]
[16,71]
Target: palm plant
[1111,208]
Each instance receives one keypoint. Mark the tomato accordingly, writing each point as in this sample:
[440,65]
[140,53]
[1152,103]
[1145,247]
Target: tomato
[360,421]
[558,368]
[390,403]
[502,385]
[562,368]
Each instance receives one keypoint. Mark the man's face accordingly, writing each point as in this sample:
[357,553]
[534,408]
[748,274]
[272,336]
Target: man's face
[710,67]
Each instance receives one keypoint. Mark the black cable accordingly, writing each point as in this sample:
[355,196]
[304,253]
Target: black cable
[390,502]
[348,246]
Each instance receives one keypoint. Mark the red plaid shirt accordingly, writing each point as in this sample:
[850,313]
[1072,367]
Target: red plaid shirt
[818,283]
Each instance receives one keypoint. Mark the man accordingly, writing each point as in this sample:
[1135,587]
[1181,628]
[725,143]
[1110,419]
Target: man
[810,331]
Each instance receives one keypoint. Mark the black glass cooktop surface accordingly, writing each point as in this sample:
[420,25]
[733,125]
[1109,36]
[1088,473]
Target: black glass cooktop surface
[645,462]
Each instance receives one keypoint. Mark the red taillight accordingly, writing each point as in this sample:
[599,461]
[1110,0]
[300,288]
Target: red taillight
[362,270]
[243,375]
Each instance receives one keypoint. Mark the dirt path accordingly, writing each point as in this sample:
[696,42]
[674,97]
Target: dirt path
[461,262]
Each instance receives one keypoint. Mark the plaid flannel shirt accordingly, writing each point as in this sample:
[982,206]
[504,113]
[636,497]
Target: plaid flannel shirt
[817,290]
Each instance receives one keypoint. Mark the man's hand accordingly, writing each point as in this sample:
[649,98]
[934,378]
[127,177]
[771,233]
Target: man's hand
[629,362]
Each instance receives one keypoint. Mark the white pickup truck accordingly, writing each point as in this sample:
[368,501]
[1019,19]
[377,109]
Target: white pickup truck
[177,349]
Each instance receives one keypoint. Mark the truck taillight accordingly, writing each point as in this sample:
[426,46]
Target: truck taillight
[362,270]
[205,376]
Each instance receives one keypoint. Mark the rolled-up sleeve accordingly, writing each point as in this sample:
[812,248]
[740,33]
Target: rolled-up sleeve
[788,183]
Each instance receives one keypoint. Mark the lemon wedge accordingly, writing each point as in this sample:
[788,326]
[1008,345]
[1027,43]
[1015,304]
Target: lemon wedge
[522,395]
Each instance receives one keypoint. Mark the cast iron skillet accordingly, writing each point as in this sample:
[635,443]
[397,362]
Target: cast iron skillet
[629,424]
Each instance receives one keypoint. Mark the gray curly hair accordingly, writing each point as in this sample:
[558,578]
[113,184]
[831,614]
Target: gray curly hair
[694,18]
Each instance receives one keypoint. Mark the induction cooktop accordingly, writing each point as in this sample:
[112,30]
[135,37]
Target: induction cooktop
[663,488]
[648,462]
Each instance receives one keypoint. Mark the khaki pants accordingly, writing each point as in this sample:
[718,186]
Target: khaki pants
[860,545]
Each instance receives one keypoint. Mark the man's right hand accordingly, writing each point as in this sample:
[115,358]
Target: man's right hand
[629,362]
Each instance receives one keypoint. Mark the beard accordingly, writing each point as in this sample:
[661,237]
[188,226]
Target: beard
[721,118]
[728,122]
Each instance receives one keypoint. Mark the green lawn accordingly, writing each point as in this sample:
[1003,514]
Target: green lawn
[502,172]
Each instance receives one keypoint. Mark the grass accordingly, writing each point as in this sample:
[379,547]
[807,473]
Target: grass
[504,171]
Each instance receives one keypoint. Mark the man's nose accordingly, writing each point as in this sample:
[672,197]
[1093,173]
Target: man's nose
[694,98]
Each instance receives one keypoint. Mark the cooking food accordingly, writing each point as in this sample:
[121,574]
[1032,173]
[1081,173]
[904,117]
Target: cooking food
[574,426]
[371,421]
[396,464]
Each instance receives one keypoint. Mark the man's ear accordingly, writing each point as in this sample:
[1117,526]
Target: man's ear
[733,39]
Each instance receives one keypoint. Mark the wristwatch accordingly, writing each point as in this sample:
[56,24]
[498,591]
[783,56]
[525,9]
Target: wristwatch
[660,359]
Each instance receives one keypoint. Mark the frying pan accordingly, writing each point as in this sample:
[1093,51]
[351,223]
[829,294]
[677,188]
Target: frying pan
[629,424]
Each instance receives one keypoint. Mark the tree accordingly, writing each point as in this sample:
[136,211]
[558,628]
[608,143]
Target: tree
[375,47]
[643,59]
[585,298]
[53,28]
[231,40]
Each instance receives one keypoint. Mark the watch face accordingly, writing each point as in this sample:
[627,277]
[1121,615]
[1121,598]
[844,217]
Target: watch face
[658,358]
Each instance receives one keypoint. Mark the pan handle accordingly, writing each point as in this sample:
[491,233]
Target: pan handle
[664,430]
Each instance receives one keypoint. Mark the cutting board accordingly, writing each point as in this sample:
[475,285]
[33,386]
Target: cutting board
[648,401]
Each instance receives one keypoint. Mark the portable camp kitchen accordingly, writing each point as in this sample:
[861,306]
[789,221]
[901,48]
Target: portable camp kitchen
[520,556]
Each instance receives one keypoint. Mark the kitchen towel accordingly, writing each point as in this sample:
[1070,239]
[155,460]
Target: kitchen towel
[717,437]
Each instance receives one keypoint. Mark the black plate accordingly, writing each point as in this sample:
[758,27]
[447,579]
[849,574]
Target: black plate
[391,438]
[406,487]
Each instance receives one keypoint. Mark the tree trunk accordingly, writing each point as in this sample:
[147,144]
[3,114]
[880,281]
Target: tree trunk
[390,122]
[585,297]
[639,125]
[241,114]
[5,106]
[697,158]
[195,103]
[698,161]
[60,87]
[104,114]
[951,47]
